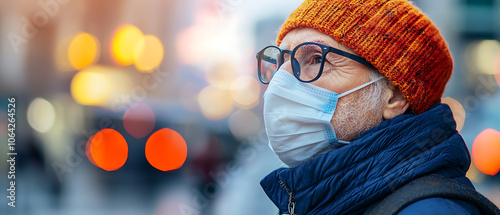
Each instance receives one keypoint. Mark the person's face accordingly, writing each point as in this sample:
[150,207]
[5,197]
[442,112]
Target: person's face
[356,112]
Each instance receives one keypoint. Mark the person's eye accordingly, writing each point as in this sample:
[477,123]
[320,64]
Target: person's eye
[317,59]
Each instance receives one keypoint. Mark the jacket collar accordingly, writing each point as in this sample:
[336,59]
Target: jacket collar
[349,179]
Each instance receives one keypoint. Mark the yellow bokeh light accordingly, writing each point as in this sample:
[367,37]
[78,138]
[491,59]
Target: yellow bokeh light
[102,86]
[124,43]
[486,53]
[458,111]
[89,87]
[497,68]
[245,92]
[148,53]
[83,50]
[215,103]
[41,115]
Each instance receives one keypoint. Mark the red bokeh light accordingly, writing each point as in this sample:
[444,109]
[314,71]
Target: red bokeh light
[166,150]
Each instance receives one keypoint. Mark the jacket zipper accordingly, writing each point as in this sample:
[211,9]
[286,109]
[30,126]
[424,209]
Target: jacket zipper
[291,201]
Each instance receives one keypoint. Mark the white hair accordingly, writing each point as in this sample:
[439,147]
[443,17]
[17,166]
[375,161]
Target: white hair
[384,83]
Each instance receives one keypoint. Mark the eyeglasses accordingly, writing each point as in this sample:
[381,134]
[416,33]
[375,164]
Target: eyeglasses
[308,61]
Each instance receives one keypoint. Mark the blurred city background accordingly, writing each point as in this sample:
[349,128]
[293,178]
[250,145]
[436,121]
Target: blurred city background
[78,66]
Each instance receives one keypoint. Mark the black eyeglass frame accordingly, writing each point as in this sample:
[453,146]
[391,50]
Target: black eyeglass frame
[295,64]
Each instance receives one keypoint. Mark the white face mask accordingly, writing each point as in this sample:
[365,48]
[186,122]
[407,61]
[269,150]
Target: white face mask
[297,117]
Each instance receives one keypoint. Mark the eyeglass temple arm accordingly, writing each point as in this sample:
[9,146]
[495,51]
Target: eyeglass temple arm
[351,56]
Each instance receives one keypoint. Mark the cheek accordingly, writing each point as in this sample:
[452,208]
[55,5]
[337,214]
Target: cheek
[326,81]
[337,81]
[343,77]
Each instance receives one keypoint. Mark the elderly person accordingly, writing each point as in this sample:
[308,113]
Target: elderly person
[353,108]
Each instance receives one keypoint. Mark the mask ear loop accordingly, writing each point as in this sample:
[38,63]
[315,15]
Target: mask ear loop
[359,87]
[352,90]
[343,142]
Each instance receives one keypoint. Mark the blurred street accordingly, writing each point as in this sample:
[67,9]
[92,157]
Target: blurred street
[187,69]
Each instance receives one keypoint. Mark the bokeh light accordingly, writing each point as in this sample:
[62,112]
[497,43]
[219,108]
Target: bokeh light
[166,150]
[101,86]
[139,120]
[244,123]
[222,74]
[458,111]
[215,103]
[109,149]
[148,53]
[90,87]
[483,56]
[83,50]
[487,51]
[245,92]
[486,151]
[124,43]
[217,41]
[497,68]
[41,115]
[192,50]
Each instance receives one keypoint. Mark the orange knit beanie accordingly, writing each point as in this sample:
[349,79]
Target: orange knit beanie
[393,35]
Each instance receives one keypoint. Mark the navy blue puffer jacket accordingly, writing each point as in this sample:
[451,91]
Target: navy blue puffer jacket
[350,179]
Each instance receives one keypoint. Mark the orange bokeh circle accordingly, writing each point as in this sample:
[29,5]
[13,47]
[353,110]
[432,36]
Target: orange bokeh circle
[486,151]
[108,149]
[166,150]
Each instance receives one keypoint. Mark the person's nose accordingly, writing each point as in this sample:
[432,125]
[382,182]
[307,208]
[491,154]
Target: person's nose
[287,66]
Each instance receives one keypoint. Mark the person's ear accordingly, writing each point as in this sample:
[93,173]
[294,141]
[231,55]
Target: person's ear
[395,103]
